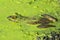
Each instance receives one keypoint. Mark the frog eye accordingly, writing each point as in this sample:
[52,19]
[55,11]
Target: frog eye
[12,18]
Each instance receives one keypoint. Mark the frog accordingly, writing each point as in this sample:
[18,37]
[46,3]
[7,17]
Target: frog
[44,21]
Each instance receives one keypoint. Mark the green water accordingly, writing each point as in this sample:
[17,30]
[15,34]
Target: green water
[22,31]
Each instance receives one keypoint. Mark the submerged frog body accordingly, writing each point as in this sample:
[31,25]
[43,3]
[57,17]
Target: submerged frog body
[45,21]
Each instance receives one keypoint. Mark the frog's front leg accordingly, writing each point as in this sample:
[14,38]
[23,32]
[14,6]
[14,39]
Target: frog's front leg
[45,26]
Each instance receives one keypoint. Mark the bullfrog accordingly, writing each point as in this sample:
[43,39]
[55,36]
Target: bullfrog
[44,21]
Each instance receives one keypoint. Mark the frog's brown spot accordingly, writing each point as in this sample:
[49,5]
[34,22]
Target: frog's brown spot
[40,21]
